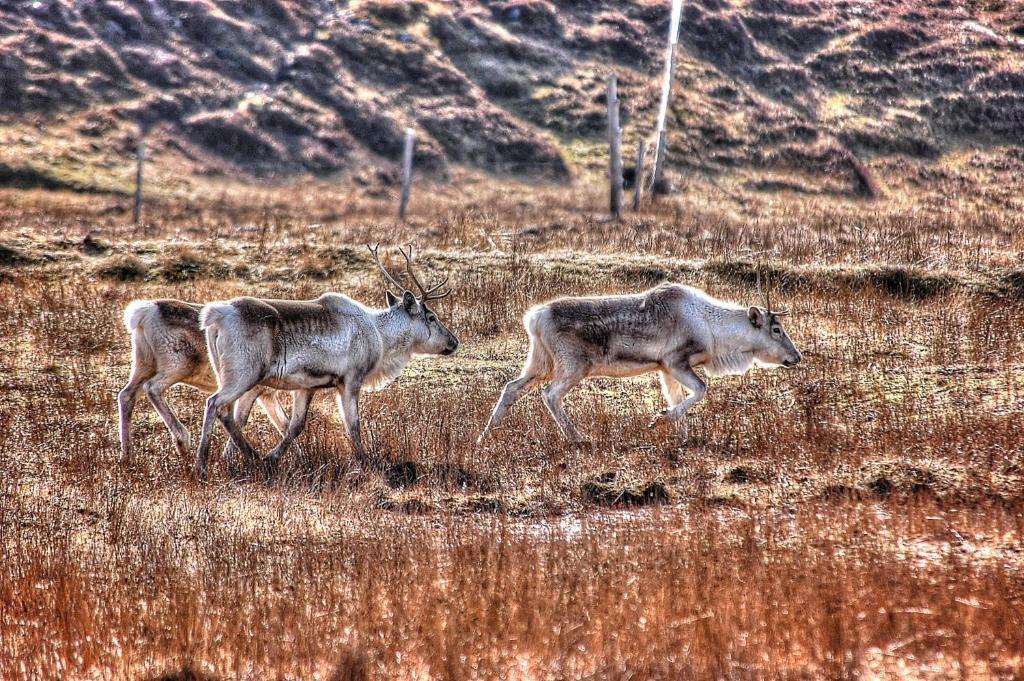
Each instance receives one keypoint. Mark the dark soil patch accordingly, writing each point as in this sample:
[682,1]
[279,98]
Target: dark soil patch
[186,673]
[773,186]
[402,474]
[900,282]
[491,139]
[353,665]
[13,257]
[92,246]
[880,486]
[750,473]
[1014,282]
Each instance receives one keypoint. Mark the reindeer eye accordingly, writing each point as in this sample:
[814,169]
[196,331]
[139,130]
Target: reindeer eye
[431,318]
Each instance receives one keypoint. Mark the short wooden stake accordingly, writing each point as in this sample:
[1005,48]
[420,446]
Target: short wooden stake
[638,177]
[140,160]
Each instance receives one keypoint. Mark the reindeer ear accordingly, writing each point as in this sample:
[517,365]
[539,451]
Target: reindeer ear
[408,301]
[390,297]
[757,316]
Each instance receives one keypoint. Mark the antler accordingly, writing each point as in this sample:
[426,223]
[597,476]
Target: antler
[767,296]
[762,294]
[387,275]
[426,293]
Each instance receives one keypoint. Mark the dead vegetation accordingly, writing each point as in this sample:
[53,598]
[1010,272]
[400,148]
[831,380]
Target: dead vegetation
[858,517]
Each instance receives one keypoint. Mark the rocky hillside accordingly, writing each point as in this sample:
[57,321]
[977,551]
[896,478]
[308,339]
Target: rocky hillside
[804,95]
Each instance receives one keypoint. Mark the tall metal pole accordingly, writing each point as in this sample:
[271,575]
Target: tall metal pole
[403,203]
[666,91]
[614,147]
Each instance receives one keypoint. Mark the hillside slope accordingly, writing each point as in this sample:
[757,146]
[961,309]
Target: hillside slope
[801,95]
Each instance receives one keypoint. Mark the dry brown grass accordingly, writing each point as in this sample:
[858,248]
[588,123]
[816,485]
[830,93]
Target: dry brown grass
[857,518]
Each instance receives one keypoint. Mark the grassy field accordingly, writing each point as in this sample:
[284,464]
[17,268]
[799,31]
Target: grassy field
[858,517]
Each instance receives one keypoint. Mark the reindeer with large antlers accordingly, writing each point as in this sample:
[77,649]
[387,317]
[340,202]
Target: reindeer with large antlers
[304,346]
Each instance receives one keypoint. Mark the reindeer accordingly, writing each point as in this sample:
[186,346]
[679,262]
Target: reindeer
[168,348]
[303,346]
[672,329]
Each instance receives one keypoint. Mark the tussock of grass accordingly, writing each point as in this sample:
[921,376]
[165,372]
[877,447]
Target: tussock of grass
[754,472]
[610,489]
[940,481]
[185,263]
[121,267]
[897,281]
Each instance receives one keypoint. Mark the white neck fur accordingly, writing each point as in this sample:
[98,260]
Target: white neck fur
[396,348]
[731,354]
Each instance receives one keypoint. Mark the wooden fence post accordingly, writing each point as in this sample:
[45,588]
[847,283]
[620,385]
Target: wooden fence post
[140,159]
[666,91]
[614,148]
[410,136]
[638,178]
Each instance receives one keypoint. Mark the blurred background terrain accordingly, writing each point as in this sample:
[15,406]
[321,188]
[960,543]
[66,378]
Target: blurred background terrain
[835,97]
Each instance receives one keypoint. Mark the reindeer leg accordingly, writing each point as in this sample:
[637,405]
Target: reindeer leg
[275,411]
[688,379]
[555,392]
[348,405]
[513,391]
[125,407]
[218,407]
[242,409]
[300,410]
[671,389]
[155,389]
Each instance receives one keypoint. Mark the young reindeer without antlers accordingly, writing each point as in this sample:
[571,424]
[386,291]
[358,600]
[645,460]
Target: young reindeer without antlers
[168,348]
[671,329]
[303,346]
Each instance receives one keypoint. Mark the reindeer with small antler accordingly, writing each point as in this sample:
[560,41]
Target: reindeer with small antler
[304,346]
[671,329]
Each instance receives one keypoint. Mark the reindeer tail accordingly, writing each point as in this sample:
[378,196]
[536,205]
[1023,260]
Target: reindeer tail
[136,312]
[213,314]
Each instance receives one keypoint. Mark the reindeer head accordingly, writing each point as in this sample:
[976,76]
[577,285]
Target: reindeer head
[772,345]
[430,336]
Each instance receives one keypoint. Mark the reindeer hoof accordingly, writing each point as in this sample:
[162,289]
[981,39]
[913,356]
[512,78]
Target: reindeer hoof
[270,468]
[659,419]
[236,468]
